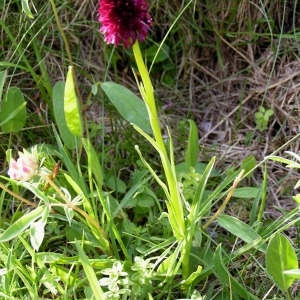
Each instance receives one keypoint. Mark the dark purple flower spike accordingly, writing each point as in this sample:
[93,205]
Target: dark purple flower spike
[124,21]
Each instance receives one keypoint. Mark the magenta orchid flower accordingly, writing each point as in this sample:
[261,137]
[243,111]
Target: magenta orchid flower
[124,21]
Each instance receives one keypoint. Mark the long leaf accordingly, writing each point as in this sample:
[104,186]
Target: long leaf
[242,231]
[71,106]
[26,8]
[21,224]
[58,108]
[192,151]
[90,274]
[130,107]
[2,80]
[226,278]
[94,166]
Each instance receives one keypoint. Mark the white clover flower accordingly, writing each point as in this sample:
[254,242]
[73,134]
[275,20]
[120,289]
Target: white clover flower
[24,168]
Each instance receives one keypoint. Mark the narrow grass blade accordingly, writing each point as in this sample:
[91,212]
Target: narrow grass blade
[90,273]
[2,80]
[192,151]
[94,166]
[194,216]
[293,272]
[114,232]
[226,278]
[26,9]
[197,204]
[69,164]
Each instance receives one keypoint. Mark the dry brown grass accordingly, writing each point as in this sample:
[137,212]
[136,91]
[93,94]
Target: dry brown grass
[243,56]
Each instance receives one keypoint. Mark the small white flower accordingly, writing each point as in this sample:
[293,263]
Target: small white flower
[24,168]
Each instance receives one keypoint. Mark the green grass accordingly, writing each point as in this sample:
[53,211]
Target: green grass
[109,223]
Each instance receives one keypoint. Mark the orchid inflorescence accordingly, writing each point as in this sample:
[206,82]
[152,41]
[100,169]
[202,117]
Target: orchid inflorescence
[124,21]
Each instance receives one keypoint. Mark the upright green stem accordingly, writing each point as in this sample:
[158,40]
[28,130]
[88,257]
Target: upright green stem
[175,207]
[150,100]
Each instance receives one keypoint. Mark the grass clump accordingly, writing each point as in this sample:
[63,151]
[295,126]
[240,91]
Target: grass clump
[156,171]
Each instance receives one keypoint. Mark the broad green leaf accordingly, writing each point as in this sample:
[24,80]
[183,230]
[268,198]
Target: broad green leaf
[280,257]
[116,184]
[153,56]
[26,8]
[130,107]
[226,278]
[13,111]
[21,224]
[13,114]
[192,152]
[49,257]
[242,231]
[94,166]
[246,192]
[71,106]
[90,273]
[59,114]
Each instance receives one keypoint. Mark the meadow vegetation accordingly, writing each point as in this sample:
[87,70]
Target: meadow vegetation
[198,203]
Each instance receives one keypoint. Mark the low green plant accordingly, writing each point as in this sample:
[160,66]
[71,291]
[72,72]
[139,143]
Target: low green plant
[262,118]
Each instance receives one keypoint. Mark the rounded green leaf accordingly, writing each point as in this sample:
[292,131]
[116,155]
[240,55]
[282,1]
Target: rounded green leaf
[13,111]
[131,107]
[280,257]
[71,106]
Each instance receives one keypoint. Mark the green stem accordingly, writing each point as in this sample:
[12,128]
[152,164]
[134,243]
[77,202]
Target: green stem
[175,208]
[149,99]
